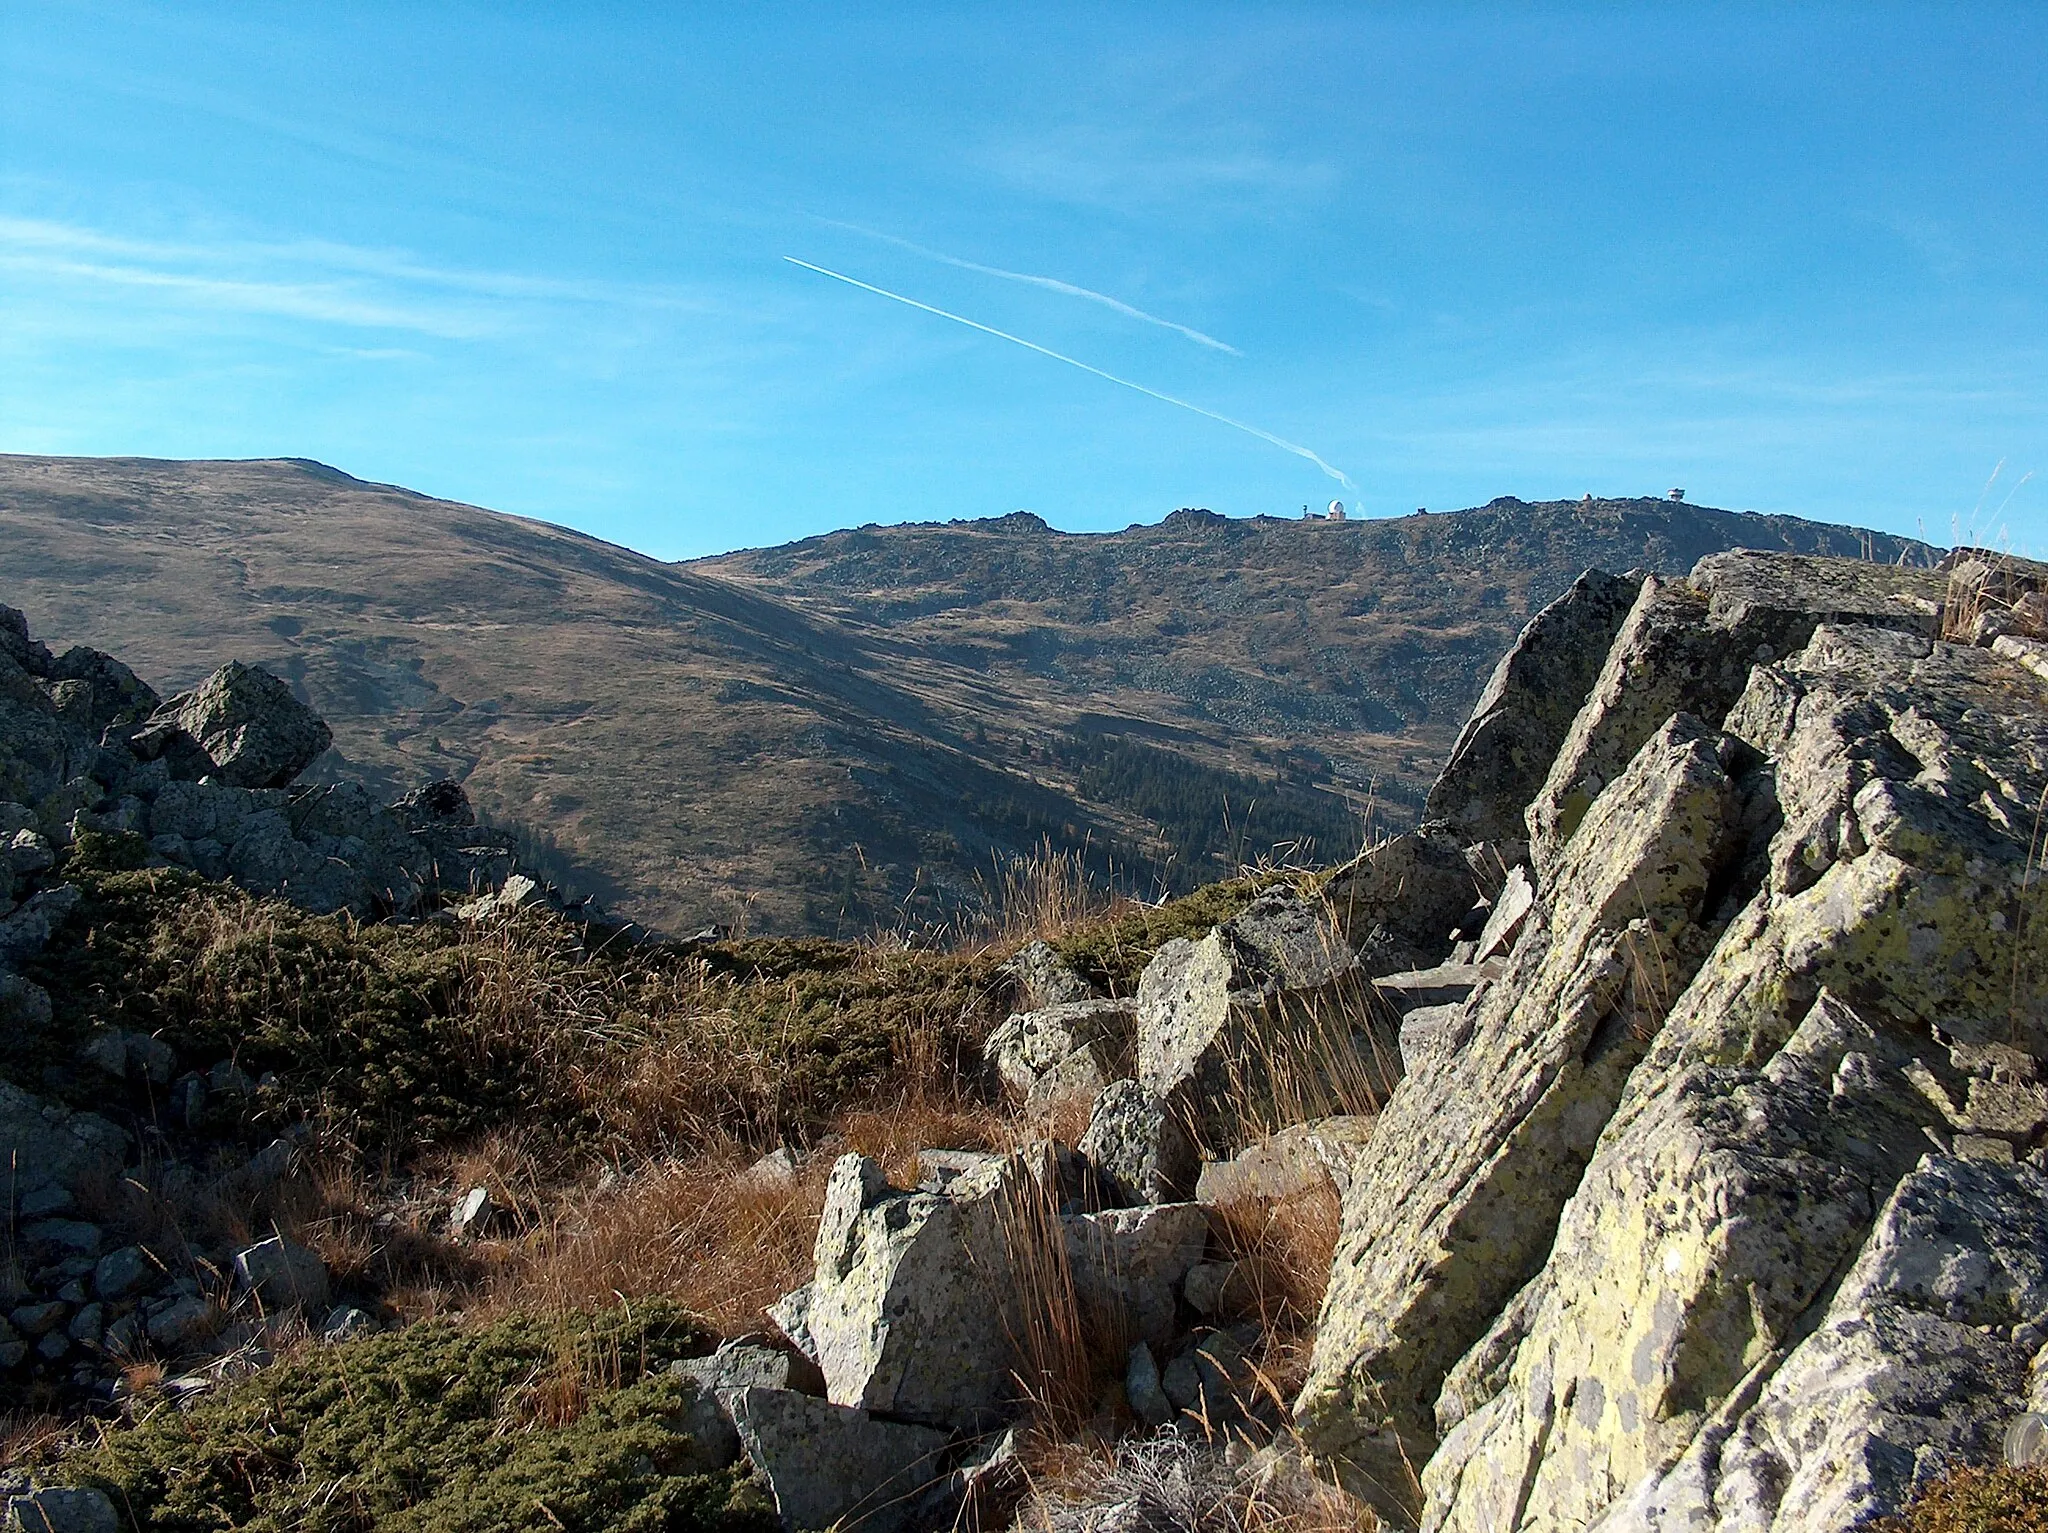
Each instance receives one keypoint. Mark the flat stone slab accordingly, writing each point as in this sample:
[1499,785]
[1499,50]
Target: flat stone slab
[1445,983]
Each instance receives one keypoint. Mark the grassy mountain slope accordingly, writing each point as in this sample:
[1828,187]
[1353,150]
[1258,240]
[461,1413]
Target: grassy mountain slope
[812,736]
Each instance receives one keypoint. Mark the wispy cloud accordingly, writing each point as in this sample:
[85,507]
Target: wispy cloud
[1050,284]
[1282,443]
[1120,168]
[321,281]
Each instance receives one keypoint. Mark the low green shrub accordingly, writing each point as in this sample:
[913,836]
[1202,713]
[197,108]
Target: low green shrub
[397,1036]
[527,1423]
[1995,1500]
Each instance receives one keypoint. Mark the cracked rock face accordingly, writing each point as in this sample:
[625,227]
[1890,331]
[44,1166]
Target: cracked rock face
[1800,1271]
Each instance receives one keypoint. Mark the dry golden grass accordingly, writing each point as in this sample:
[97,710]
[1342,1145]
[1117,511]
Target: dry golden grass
[27,1437]
[1184,1484]
[1284,1247]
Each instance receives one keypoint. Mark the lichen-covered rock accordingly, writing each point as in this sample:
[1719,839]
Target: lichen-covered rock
[257,734]
[1504,752]
[1043,978]
[1294,1161]
[1291,941]
[1764,1305]
[1073,1048]
[830,1465]
[1235,1053]
[905,1303]
[1477,1152]
[1138,1148]
[1128,1265]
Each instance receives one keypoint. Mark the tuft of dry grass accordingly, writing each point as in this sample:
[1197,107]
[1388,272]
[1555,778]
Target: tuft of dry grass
[700,1232]
[1058,1350]
[30,1437]
[1283,1247]
[1175,1484]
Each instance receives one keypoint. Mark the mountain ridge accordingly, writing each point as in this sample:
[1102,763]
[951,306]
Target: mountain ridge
[852,728]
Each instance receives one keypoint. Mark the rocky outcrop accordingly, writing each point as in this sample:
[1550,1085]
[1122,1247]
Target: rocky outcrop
[1689,645]
[206,781]
[1721,1208]
[1397,903]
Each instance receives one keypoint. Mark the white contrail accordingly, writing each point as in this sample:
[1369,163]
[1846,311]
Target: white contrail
[1046,351]
[1052,284]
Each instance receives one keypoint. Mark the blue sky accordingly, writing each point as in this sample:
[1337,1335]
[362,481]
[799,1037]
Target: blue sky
[533,256]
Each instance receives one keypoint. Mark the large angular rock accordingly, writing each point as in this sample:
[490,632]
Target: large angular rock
[1292,941]
[1128,1265]
[1396,903]
[1138,1147]
[1477,1152]
[905,1304]
[1074,1048]
[97,692]
[1527,706]
[829,1465]
[258,734]
[1688,646]
[1236,1048]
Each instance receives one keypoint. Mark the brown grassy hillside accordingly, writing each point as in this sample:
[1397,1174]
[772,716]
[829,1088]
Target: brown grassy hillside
[820,735]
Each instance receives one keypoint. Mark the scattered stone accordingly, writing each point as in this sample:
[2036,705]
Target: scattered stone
[472,1215]
[56,1239]
[1142,1389]
[39,1319]
[1504,921]
[1429,1030]
[347,1323]
[1446,984]
[902,1313]
[125,1273]
[182,1325]
[59,1510]
[1043,978]
[1138,1148]
[281,1274]
[774,1171]
[828,1465]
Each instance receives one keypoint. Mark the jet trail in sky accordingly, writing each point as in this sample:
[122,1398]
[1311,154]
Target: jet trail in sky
[1046,351]
[1053,284]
